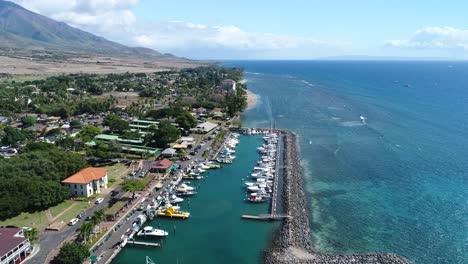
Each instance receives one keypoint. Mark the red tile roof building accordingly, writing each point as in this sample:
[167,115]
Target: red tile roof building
[14,246]
[162,166]
[87,181]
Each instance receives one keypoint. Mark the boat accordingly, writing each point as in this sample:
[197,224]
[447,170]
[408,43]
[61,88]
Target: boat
[189,177]
[173,213]
[175,199]
[186,187]
[187,193]
[256,198]
[150,231]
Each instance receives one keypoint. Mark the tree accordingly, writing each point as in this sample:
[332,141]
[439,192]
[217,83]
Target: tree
[32,234]
[88,133]
[85,231]
[28,121]
[165,134]
[186,120]
[116,124]
[72,253]
[12,136]
[97,218]
[133,186]
[75,123]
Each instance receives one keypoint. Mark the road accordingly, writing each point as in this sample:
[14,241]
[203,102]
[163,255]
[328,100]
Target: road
[50,240]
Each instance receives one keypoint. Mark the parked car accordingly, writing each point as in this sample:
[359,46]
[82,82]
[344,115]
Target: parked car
[88,218]
[73,221]
[99,200]
[81,215]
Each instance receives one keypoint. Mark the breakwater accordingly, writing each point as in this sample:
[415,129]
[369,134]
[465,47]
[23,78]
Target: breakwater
[292,242]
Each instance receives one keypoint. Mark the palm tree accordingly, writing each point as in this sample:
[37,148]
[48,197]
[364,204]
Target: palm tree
[96,219]
[85,231]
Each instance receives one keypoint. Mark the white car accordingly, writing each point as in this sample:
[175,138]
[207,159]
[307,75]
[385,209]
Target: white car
[73,221]
[99,200]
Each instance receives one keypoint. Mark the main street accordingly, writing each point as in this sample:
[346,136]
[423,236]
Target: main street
[49,241]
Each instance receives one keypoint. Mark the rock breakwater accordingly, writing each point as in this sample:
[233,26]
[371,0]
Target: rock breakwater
[292,242]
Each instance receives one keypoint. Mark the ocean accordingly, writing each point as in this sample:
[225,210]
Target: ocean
[385,148]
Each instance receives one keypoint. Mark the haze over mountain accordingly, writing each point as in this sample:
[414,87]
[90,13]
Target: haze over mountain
[25,30]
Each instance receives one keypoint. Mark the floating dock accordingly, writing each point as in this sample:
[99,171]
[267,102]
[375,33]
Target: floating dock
[140,243]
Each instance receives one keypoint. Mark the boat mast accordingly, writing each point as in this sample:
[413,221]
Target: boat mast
[149,261]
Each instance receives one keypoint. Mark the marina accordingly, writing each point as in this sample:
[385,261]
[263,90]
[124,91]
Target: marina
[213,217]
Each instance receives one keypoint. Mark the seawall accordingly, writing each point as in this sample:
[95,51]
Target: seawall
[292,242]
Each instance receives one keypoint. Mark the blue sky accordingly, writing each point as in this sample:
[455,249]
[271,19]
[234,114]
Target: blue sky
[260,29]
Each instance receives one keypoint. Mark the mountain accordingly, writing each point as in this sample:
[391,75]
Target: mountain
[23,29]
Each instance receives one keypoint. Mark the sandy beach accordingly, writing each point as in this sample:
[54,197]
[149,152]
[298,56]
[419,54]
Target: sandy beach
[251,99]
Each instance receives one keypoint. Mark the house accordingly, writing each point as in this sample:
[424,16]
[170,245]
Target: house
[87,181]
[205,127]
[14,246]
[228,85]
[162,166]
[169,152]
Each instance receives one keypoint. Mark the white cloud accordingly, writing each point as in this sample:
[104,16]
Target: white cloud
[114,20]
[444,38]
[97,16]
[182,35]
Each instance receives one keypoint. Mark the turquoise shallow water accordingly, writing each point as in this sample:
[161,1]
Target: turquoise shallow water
[214,233]
[396,184]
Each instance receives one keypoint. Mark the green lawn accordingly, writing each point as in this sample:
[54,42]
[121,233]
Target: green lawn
[60,208]
[23,78]
[116,172]
[73,212]
[37,220]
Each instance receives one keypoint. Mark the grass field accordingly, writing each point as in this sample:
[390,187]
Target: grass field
[72,212]
[116,172]
[39,219]
[23,78]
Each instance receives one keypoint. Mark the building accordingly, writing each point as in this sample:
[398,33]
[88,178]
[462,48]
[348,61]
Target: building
[228,85]
[169,152]
[14,246]
[87,181]
[205,127]
[162,166]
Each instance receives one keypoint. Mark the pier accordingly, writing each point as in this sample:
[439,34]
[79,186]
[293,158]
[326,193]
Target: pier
[272,216]
[140,243]
[266,217]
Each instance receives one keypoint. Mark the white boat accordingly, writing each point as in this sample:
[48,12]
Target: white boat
[199,170]
[150,231]
[186,187]
[174,199]
[203,166]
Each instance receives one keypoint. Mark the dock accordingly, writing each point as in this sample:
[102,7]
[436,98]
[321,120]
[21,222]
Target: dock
[274,196]
[272,216]
[140,243]
[265,217]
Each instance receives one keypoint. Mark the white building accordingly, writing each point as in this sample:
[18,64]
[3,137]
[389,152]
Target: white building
[14,246]
[87,181]
[229,85]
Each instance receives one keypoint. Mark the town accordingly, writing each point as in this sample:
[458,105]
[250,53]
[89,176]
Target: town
[80,152]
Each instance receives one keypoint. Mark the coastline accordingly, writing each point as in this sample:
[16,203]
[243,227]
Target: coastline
[292,243]
[252,99]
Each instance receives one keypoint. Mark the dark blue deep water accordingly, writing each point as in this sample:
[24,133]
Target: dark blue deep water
[398,183]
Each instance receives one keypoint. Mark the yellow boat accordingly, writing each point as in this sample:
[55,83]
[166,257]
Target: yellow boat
[173,213]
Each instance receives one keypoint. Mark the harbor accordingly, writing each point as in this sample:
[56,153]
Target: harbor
[215,211]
